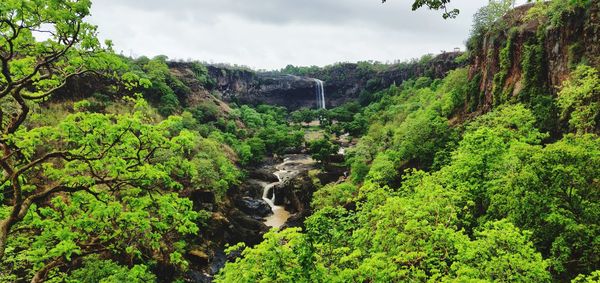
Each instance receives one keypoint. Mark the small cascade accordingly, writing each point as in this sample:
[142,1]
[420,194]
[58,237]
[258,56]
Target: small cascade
[280,215]
[291,166]
[320,93]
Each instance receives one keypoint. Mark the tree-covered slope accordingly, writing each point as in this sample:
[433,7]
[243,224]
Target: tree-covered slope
[445,189]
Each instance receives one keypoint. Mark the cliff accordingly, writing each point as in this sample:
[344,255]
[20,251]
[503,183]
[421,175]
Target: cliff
[528,57]
[343,82]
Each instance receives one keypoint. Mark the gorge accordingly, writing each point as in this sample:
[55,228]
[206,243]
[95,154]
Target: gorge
[475,166]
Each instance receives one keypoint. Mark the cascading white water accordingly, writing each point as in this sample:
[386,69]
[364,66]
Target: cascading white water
[291,166]
[280,215]
[320,93]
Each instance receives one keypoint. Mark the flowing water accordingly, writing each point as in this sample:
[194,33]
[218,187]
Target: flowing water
[320,93]
[292,166]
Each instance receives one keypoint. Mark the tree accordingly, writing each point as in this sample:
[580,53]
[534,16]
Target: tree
[579,99]
[284,256]
[322,149]
[31,71]
[95,184]
[553,192]
[435,5]
[302,115]
[501,252]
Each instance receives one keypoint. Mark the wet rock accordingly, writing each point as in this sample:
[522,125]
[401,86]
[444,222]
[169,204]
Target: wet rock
[263,174]
[195,276]
[243,228]
[251,188]
[203,200]
[296,194]
[332,173]
[198,257]
[252,206]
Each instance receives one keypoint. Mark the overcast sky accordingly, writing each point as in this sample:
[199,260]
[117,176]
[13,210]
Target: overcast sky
[269,34]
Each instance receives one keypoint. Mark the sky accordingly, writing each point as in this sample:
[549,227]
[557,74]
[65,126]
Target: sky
[270,34]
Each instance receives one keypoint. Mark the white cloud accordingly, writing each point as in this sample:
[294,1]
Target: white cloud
[269,34]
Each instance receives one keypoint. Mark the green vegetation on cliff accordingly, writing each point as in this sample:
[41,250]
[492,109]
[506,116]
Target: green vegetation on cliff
[450,180]
[454,181]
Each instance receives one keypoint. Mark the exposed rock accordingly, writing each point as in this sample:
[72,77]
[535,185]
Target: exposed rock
[577,38]
[198,257]
[343,82]
[243,228]
[295,195]
[263,174]
[251,206]
[203,199]
[252,188]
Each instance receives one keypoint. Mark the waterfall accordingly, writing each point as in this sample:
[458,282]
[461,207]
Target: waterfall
[320,93]
[267,188]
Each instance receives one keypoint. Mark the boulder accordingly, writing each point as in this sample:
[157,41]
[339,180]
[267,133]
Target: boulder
[253,206]
[244,228]
[198,257]
[263,174]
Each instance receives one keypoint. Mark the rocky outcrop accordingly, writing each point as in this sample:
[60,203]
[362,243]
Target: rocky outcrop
[343,82]
[531,56]
[290,91]
[295,195]
[254,207]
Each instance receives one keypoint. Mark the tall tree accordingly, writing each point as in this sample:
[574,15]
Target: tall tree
[42,45]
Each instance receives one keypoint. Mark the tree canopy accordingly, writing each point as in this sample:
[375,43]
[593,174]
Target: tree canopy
[435,5]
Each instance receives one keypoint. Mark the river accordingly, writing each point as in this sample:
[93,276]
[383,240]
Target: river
[291,166]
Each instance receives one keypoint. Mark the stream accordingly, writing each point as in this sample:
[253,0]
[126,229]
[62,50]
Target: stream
[292,165]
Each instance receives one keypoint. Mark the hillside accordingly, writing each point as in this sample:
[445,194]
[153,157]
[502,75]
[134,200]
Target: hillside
[479,166]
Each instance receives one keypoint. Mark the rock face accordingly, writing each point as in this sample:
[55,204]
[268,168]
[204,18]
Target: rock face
[247,86]
[290,91]
[343,82]
[254,207]
[532,46]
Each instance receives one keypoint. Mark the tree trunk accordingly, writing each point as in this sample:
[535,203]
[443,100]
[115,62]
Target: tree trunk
[40,276]
[4,227]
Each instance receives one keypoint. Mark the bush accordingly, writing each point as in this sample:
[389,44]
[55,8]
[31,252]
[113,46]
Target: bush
[322,149]
[579,99]
[168,104]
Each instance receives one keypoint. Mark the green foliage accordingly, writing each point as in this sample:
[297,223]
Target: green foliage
[556,11]
[579,100]
[533,72]
[383,169]
[422,82]
[112,186]
[552,191]
[104,271]
[164,89]
[435,5]
[454,88]
[535,89]
[282,257]
[506,54]
[501,252]
[333,195]
[168,104]
[322,149]
[304,115]
[488,19]
[202,75]
[300,71]
[592,278]
[359,169]
[474,93]
[205,112]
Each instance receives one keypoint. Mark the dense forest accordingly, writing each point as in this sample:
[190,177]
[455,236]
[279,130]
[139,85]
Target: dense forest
[119,169]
